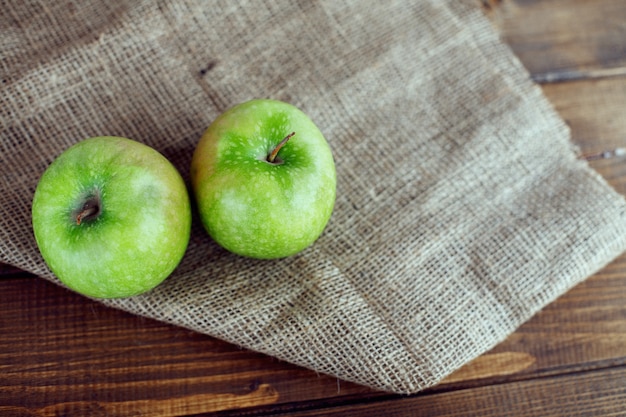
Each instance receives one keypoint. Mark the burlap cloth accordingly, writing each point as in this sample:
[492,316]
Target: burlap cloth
[461,211]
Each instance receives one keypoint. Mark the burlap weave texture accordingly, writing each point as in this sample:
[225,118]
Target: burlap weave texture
[461,208]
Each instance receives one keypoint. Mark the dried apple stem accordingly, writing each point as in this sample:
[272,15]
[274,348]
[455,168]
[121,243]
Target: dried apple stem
[90,209]
[272,156]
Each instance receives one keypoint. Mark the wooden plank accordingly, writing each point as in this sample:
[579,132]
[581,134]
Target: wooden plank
[600,393]
[62,353]
[564,39]
[594,110]
[58,348]
[8,270]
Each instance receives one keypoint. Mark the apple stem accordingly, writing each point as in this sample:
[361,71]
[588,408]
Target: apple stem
[272,156]
[90,209]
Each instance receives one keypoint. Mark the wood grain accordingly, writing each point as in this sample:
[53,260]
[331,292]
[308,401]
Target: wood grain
[599,393]
[593,109]
[561,40]
[62,354]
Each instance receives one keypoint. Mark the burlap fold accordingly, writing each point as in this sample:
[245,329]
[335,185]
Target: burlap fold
[461,207]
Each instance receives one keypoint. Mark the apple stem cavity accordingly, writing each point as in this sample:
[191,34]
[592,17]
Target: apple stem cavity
[271,158]
[89,211]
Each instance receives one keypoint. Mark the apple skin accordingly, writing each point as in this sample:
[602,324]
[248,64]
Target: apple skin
[142,227]
[255,208]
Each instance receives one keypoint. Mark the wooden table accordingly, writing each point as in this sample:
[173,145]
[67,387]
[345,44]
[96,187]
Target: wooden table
[62,354]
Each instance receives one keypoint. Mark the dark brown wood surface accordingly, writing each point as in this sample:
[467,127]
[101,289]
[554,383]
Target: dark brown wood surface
[63,355]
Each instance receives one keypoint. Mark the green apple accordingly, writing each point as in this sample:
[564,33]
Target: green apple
[111,217]
[264,180]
